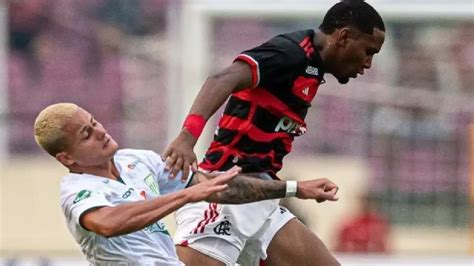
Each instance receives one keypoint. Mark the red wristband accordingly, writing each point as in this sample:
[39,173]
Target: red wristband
[194,123]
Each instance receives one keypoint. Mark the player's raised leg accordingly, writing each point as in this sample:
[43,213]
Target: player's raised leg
[295,244]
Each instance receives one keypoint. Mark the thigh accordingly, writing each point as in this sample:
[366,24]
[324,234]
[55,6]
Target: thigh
[210,251]
[219,232]
[192,257]
[295,244]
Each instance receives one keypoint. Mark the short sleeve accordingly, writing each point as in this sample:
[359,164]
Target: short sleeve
[75,203]
[274,62]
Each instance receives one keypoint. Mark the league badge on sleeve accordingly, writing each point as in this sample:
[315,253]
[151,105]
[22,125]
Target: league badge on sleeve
[83,194]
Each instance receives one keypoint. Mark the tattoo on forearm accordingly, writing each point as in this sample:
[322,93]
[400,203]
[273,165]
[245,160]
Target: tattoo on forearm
[244,189]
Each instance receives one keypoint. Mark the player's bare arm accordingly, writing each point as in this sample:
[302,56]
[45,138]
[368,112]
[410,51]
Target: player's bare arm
[130,217]
[217,88]
[245,188]
[232,79]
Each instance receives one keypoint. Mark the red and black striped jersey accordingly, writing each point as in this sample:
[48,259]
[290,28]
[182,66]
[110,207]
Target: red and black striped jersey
[259,123]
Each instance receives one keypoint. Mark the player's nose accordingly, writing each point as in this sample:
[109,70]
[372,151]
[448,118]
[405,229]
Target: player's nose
[100,133]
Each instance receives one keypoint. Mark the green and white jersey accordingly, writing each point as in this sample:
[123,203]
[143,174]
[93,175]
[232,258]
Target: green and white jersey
[142,177]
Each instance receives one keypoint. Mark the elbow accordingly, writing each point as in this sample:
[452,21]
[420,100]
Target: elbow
[107,233]
[107,230]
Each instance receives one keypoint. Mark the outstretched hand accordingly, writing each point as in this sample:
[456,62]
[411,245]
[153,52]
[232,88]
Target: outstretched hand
[319,189]
[207,187]
[179,155]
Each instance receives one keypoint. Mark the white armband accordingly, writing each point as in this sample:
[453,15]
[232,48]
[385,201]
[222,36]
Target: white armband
[291,187]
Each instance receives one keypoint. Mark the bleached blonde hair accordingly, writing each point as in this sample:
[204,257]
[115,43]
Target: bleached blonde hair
[49,125]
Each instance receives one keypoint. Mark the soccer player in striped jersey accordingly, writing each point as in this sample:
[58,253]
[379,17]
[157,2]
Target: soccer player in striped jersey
[271,88]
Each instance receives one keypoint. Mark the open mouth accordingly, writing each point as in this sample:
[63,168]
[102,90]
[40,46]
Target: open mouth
[358,74]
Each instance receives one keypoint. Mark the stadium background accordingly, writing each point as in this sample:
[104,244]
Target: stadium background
[401,133]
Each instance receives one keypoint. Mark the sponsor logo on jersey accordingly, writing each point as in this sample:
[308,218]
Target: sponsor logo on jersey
[133,164]
[312,71]
[150,182]
[156,227]
[305,91]
[128,193]
[290,126]
[287,124]
[82,195]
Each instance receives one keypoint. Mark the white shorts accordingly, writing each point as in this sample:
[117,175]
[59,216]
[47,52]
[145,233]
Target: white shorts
[231,233]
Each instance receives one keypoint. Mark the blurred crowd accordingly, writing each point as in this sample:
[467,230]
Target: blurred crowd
[72,51]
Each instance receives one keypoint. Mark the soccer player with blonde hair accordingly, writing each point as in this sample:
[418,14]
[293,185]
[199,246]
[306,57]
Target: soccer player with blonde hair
[113,199]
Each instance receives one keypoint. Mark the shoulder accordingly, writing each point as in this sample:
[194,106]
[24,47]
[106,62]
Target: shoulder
[131,158]
[137,154]
[72,180]
[287,49]
[131,152]
[295,41]
[73,183]
[297,37]
[75,187]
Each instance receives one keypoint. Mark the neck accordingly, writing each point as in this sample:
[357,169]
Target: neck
[323,45]
[107,170]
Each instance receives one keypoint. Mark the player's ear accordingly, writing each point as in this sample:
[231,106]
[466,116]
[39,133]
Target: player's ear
[64,158]
[342,36]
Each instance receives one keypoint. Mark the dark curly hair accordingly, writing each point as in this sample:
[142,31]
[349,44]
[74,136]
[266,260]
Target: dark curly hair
[355,13]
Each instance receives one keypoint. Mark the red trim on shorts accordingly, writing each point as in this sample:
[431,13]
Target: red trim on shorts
[202,221]
[184,243]
[261,263]
[210,215]
[216,213]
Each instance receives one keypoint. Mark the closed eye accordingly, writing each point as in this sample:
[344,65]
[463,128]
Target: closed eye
[370,51]
[88,133]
